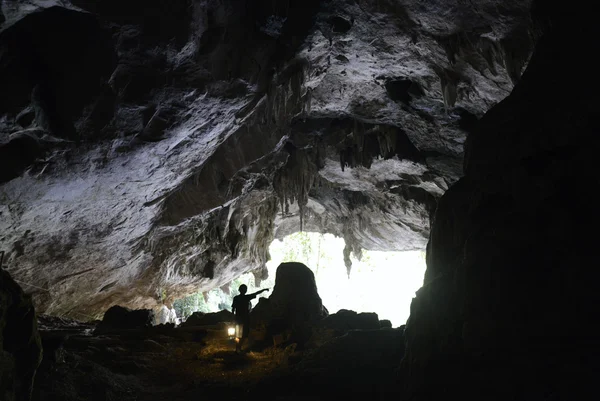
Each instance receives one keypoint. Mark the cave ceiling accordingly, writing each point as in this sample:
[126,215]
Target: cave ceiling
[154,148]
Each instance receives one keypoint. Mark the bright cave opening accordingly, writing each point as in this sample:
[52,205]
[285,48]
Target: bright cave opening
[380,282]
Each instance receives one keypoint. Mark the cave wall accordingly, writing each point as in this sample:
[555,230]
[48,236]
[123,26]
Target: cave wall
[149,150]
[509,305]
[20,343]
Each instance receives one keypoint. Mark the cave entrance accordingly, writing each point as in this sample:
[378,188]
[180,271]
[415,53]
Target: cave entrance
[381,282]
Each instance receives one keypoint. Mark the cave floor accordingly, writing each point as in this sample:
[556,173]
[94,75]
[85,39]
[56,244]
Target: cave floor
[160,367]
[167,363]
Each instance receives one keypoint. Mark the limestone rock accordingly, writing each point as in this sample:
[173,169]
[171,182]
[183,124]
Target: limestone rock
[21,348]
[507,310]
[208,319]
[161,155]
[294,306]
[295,294]
[345,320]
[121,318]
[340,323]
[385,324]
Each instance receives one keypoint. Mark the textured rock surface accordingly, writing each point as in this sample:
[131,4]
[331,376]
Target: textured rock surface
[150,149]
[291,310]
[508,310]
[203,319]
[340,323]
[118,318]
[295,293]
[20,344]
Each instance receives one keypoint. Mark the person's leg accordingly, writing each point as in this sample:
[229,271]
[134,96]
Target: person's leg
[245,332]
[238,337]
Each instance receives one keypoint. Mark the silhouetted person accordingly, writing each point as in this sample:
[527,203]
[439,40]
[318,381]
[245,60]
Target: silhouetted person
[241,308]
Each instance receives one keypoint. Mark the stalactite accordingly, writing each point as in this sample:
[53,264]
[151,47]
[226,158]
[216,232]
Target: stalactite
[387,138]
[448,92]
[489,51]
[294,181]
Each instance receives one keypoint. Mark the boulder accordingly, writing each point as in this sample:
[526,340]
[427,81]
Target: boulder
[21,348]
[293,308]
[385,324]
[345,320]
[208,319]
[120,318]
[342,322]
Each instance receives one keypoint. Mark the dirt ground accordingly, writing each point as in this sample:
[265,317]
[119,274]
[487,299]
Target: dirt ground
[202,364]
[161,367]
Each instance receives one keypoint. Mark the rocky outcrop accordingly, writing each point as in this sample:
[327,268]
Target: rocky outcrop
[340,323]
[292,310]
[147,155]
[295,293]
[208,319]
[119,318]
[21,348]
[344,320]
[508,306]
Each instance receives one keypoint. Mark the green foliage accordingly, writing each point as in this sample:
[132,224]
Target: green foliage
[382,282]
[184,307]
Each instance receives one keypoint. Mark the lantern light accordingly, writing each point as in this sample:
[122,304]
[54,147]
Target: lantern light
[231,332]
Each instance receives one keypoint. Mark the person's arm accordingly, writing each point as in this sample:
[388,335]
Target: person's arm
[259,292]
[233,307]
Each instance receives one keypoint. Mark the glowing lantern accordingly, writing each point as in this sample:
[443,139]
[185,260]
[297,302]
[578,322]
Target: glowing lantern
[231,332]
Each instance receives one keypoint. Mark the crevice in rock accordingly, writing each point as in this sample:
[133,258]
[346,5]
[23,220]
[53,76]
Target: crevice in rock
[403,89]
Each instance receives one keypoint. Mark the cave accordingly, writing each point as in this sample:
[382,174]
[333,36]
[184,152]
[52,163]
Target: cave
[151,150]
[370,282]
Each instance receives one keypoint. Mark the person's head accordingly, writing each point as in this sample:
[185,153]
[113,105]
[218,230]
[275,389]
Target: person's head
[243,289]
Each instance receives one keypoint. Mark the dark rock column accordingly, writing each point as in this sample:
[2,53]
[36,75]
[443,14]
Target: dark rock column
[509,306]
[293,307]
[21,349]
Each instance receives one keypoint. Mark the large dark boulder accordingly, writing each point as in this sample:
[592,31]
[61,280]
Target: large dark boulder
[295,295]
[208,319]
[21,349]
[340,323]
[293,308]
[345,320]
[120,318]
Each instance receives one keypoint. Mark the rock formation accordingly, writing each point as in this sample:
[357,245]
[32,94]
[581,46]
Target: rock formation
[340,323]
[118,318]
[20,344]
[149,149]
[148,154]
[203,319]
[292,309]
[508,309]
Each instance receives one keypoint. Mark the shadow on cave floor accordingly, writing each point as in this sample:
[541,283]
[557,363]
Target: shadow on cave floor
[200,363]
[121,367]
